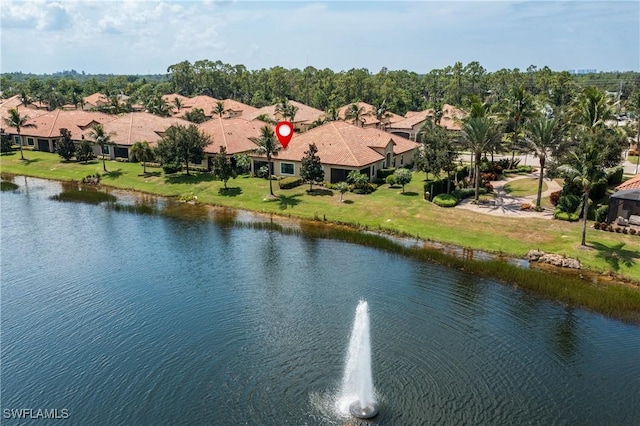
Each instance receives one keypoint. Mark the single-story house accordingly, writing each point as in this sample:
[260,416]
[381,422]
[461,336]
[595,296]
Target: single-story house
[45,135]
[304,118]
[369,119]
[234,134]
[203,102]
[414,120]
[342,147]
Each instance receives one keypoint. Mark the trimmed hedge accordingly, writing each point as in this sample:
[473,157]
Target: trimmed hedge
[614,176]
[289,182]
[571,217]
[445,200]
[383,173]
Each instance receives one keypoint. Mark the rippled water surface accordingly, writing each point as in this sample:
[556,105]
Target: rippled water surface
[125,318]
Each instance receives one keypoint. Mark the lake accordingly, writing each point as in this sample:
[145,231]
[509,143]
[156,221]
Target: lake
[115,317]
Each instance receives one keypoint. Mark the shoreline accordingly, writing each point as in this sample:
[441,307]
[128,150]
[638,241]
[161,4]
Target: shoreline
[560,285]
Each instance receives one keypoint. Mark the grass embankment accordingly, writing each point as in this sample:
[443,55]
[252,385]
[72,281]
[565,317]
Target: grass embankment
[386,210]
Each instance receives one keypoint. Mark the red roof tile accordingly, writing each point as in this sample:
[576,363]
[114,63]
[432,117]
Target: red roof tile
[235,134]
[135,127]
[50,123]
[633,183]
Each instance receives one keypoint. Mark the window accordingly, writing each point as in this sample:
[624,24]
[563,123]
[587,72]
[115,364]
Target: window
[401,160]
[105,149]
[16,140]
[286,169]
[30,141]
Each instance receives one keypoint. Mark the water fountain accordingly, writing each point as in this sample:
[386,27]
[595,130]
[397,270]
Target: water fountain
[357,393]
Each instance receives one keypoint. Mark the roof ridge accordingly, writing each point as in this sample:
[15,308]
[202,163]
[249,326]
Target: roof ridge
[333,123]
[224,137]
[55,120]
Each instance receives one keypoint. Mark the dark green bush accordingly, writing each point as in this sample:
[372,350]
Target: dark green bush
[437,187]
[445,200]
[571,217]
[601,213]
[599,189]
[391,180]
[383,173]
[171,168]
[614,176]
[289,182]
[568,203]
[463,193]
[5,143]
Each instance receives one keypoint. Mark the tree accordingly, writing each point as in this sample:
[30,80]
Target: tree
[221,166]
[196,115]
[103,140]
[143,152]
[358,180]
[519,109]
[15,119]
[402,177]
[342,187]
[356,113]
[84,151]
[311,170]
[268,146]
[437,151]
[286,109]
[584,170]
[182,145]
[591,109]
[177,103]
[544,137]
[478,134]
[219,109]
[65,146]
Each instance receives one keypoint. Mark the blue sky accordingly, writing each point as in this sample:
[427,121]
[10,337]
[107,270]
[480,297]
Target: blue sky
[139,37]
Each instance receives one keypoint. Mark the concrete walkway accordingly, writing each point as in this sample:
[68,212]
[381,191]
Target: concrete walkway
[506,205]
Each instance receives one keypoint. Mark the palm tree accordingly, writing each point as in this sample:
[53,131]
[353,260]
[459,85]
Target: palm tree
[355,113]
[143,152]
[25,99]
[518,109]
[286,109]
[103,139]
[331,113]
[478,134]
[177,103]
[267,145]
[585,170]
[219,109]
[381,113]
[544,137]
[591,109]
[18,121]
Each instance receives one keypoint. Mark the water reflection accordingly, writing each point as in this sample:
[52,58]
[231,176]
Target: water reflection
[566,341]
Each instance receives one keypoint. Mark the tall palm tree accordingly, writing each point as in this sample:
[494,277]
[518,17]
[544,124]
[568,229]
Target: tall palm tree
[591,109]
[585,169]
[219,109]
[543,137]
[286,109]
[143,152]
[478,134]
[269,146]
[356,113]
[102,139]
[177,103]
[380,112]
[18,121]
[519,108]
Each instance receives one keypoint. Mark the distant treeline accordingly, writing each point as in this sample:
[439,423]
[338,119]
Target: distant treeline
[397,91]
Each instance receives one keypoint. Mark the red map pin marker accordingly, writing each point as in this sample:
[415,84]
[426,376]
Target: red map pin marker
[284,132]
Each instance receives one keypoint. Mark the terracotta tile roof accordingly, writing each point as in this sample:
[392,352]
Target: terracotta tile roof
[235,134]
[343,144]
[368,117]
[171,96]
[135,127]
[95,100]
[450,119]
[305,113]
[14,102]
[633,183]
[239,106]
[50,123]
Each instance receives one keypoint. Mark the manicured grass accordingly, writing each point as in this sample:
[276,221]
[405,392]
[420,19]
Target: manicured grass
[386,210]
[523,187]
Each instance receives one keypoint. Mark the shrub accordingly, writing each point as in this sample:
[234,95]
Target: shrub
[571,217]
[366,189]
[598,190]
[488,187]
[554,197]
[614,176]
[289,182]
[525,206]
[171,168]
[391,180]
[263,172]
[568,203]
[601,213]
[463,193]
[489,176]
[383,173]
[5,143]
[445,200]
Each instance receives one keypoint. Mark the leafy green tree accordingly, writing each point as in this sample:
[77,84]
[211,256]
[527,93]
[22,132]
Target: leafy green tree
[311,170]
[196,115]
[144,153]
[183,145]
[158,106]
[84,151]
[19,121]
[584,170]
[478,135]
[402,177]
[243,163]
[103,140]
[437,151]
[221,167]
[358,180]
[518,109]
[268,146]
[544,137]
[342,187]
[65,146]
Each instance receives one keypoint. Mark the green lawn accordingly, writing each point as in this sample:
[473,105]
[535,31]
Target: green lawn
[523,187]
[385,209]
